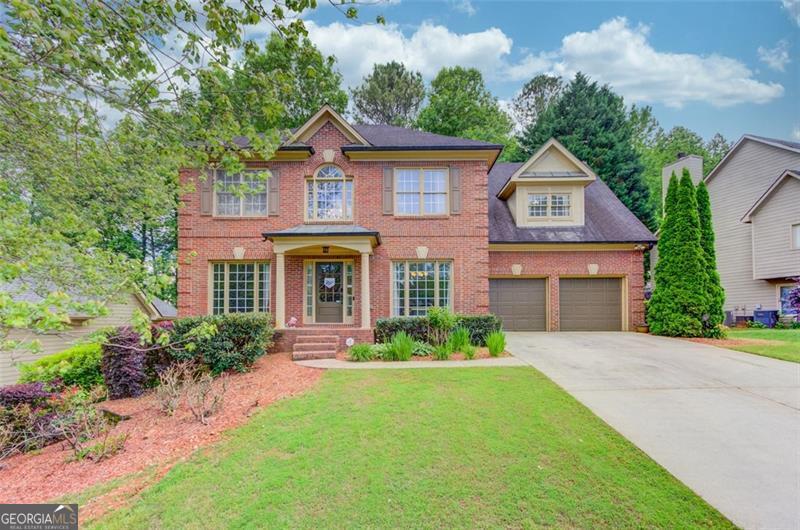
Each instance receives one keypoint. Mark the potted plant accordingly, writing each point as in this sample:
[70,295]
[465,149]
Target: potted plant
[642,328]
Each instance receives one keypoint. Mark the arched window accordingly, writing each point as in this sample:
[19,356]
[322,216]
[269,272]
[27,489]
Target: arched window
[329,195]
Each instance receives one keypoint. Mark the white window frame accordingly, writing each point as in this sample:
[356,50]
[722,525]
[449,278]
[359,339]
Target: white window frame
[258,288]
[549,206]
[313,180]
[310,288]
[421,187]
[406,295]
[241,213]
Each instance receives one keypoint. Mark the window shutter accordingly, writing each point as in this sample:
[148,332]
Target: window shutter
[207,193]
[273,194]
[388,191]
[455,190]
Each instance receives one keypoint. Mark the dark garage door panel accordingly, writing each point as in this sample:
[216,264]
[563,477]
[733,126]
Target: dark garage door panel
[521,303]
[590,304]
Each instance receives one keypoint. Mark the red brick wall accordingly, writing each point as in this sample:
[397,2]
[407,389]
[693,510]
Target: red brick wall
[462,237]
[619,263]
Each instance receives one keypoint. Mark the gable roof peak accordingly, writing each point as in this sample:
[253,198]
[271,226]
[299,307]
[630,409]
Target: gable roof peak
[326,114]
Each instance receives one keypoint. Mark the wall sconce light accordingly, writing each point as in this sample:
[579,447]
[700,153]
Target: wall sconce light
[326,250]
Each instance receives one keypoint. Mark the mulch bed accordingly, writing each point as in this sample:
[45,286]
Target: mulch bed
[481,353]
[153,437]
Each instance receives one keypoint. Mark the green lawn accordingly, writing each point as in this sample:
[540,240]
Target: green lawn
[788,350]
[472,447]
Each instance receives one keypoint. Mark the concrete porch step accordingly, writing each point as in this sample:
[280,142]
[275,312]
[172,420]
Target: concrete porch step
[316,346]
[317,338]
[309,355]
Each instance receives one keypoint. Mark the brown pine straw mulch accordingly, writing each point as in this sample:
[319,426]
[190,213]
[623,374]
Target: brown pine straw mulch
[154,439]
[728,343]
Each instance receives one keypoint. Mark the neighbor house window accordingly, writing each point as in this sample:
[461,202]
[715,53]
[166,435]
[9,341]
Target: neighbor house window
[240,287]
[329,195]
[421,191]
[544,205]
[796,236]
[419,285]
[241,194]
[783,293]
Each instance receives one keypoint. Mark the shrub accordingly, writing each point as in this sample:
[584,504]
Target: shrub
[32,394]
[362,352]
[442,352]
[479,326]
[76,366]
[400,348]
[459,339]
[756,324]
[416,327]
[240,339]
[496,342]
[202,398]
[379,351]
[440,321]
[422,349]
[469,351]
[124,363]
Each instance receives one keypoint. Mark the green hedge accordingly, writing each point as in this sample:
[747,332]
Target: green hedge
[479,326]
[76,366]
[241,338]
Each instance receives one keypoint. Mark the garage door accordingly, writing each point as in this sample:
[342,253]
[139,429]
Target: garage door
[590,304]
[521,303]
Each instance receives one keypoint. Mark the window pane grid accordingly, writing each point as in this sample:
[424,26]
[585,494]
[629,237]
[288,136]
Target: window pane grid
[348,282]
[420,191]
[218,288]
[329,195]
[241,287]
[420,285]
[229,199]
[560,205]
[263,287]
[537,205]
[309,290]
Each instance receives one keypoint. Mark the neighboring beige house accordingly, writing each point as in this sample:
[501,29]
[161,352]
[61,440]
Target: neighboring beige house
[755,203]
[120,313]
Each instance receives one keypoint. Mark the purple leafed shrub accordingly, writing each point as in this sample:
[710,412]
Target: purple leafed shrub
[24,394]
[123,364]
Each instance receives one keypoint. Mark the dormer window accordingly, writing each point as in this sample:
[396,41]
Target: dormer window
[329,195]
[549,205]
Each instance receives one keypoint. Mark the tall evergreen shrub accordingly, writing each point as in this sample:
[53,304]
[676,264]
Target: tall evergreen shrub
[714,291]
[680,299]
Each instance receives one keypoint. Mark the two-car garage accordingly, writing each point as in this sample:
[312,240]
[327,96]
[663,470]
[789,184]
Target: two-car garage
[584,304]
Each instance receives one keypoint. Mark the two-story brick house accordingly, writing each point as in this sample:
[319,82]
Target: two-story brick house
[360,222]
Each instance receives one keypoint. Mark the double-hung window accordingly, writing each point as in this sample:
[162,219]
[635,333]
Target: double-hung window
[329,195]
[240,287]
[421,191]
[241,194]
[549,205]
[419,285]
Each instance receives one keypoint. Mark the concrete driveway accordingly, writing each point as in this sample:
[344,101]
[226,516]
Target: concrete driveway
[725,423]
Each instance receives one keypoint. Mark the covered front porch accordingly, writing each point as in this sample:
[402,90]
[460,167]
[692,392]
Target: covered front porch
[322,276]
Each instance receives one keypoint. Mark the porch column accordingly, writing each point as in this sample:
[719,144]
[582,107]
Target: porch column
[365,299]
[280,291]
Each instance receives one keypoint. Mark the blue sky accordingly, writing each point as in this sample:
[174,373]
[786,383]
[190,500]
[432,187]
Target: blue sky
[732,67]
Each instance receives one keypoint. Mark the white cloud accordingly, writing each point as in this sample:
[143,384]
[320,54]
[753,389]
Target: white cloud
[464,6]
[620,55]
[776,58]
[796,133]
[792,8]
[615,53]
[427,50]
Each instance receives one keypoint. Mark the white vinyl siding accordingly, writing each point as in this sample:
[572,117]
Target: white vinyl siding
[733,190]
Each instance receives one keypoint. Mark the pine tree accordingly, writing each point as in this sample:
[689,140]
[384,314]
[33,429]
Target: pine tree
[680,299]
[714,291]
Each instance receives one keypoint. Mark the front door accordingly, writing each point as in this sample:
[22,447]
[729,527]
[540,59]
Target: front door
[329,297]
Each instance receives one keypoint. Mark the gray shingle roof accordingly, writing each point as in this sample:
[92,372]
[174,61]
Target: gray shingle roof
[607,220]
[398,137]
